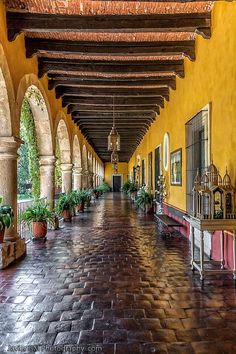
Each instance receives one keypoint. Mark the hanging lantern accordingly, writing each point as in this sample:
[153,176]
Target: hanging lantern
[115,168]
[114,137]
[114,157]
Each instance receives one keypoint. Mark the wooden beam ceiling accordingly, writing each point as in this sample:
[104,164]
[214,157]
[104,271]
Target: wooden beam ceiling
[93,51]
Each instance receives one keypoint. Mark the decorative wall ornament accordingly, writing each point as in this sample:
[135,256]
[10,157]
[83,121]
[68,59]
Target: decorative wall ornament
[213,197]
[161,193]
[176,168]
[166,151]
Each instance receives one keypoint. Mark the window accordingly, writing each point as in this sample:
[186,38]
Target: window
[157,165]
[143,172]
[197,151]
[150,170]
[166,151]
[134,174]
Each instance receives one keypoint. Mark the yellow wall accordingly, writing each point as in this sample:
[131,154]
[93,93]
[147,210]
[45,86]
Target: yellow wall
[122,169]
[19,66]
[210,79]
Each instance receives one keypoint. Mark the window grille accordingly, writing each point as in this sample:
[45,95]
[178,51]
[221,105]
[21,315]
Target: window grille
[157,165]
[143,172]
[150,170]
[197,151]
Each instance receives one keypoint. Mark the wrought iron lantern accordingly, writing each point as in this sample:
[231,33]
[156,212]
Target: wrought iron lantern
[113,137]
[115,168]
[114,157]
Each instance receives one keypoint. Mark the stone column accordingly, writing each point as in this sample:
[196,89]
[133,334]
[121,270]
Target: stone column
[66,174]
[90,179]
[77,173]
[94,180]
[47,178]
[85,179]
[8,179]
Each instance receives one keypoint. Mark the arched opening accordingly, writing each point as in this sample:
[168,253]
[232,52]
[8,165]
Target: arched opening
[77,164]
[85,166]
[76,152]
[5,113]
[63,169]
[35,132]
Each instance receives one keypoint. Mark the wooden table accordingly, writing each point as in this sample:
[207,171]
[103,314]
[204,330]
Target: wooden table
[211,226]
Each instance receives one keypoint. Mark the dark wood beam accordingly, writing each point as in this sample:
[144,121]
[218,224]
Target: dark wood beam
[96,109]
[47,65]
[94,83]
[151,115]
[107,101]
[18,22]
[73,91]
[40,46]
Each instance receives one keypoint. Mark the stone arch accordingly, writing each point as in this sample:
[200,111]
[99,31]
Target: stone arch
[7,98]
[84,158]
[62,136]
[90,162]
[76,155]
[94,165]
[31,88]
[63,140]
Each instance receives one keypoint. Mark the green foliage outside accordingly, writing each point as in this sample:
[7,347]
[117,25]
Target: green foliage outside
[28,162]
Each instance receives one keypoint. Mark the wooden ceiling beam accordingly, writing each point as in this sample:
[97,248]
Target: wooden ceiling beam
[161,66]
[18,22]
[97,109]
[76,83]
[42,46]
[73,91]
[119,101]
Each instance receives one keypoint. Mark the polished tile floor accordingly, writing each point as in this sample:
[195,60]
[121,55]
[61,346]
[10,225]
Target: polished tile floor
[108,283]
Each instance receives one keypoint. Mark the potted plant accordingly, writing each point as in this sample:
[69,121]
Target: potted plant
[82,198]
[133,189]
[126,187]
[95,193]
[6,218]
[65,205]
[39,215]
[144,200]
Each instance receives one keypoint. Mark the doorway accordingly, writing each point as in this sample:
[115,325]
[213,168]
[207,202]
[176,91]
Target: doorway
[116,183]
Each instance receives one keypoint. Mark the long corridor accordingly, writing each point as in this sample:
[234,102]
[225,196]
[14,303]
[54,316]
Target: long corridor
[108,283]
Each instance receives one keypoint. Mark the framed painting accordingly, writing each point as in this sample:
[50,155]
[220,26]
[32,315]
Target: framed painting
[176,168]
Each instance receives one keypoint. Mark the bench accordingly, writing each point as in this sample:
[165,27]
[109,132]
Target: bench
[168,223]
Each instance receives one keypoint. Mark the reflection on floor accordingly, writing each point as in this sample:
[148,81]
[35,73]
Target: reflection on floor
[108,283]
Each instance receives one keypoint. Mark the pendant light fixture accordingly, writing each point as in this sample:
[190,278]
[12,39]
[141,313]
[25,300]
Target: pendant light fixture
[114,137]
[114,157]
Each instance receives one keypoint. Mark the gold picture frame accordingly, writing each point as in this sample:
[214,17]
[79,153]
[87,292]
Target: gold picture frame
[176,168]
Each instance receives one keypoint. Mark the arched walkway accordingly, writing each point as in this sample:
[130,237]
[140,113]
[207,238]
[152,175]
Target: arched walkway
[63,139]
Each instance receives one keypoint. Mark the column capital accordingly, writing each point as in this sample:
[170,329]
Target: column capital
[66,167]
[77,170]
[9,146]
[45,160]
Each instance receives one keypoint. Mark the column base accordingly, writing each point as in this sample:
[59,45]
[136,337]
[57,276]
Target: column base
[11,251]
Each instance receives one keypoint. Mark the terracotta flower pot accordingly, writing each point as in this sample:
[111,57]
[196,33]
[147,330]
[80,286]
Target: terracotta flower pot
[67,215]
[39,229]
[2,233]
[81,207]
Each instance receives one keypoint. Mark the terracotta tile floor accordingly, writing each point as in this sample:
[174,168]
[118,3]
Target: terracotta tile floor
[107,283]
